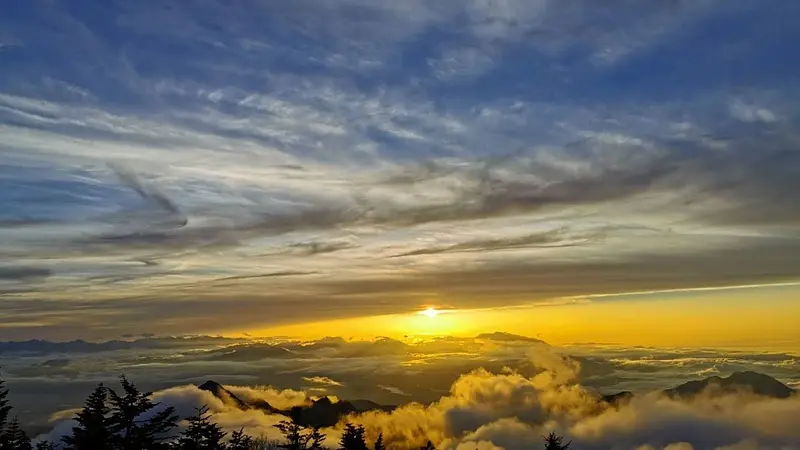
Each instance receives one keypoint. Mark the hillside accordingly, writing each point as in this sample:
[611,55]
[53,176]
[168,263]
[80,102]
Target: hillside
[322,412]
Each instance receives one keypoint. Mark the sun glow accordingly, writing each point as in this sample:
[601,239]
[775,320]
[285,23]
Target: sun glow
[430,312]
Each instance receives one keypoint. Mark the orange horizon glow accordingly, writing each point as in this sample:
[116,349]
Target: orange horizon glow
[703,320]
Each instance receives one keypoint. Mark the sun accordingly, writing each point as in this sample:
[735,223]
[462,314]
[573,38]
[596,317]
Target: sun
[430,312]
[431,320]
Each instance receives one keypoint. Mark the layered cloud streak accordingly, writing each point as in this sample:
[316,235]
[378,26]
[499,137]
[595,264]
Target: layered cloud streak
[300,162]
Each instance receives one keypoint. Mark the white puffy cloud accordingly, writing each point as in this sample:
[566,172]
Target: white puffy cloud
[280,399]
[186,400]
[750,113]
[323,381]
[510,411]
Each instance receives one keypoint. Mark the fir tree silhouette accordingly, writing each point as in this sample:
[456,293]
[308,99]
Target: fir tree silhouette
[554,442]
[240,441]
[353,438]
[379,443]
[201,433]
[45,445]
[92,431]
[5,407]
[316,438]
[13,438]
[129,429]
[294,436]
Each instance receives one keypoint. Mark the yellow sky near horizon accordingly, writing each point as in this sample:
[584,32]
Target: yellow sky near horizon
[765,318]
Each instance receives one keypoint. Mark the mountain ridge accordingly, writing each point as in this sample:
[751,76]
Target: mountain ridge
[748,381]
[754,382]
[322,412]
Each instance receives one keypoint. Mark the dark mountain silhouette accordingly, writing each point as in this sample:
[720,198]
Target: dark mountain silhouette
[322,412]
[369,405]
[620,398]
[754,382]
[225,395]
[250,352]
[262,405]
[41,347]
[507,337]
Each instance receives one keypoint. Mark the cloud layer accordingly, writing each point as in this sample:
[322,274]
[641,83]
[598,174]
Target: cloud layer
[507,409]
[47,377]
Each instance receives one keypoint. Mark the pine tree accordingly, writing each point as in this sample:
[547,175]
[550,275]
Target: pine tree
[554,442]
[45,445]
[293,434]
[13,438]
[201,434]
[353,438]
[240,441]
[130,431]
[5,407]
[265,443]
[92,432]
[379,443]
[428,446]
[316,438]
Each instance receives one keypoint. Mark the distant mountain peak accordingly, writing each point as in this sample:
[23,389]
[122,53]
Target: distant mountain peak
[323,401]
[749,376]
[223,394]
[755,382]
[323,412]
[211,386]
[747,381]
[619,398]
[501,336]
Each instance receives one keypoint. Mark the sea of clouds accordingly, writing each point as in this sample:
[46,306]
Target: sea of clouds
[493,391]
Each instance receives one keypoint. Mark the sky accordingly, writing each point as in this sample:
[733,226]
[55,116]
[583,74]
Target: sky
[578,171]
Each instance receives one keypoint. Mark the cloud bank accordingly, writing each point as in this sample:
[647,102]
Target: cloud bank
[440,385]
[505,409]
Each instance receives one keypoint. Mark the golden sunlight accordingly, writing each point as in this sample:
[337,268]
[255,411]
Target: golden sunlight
[430,312]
